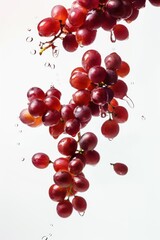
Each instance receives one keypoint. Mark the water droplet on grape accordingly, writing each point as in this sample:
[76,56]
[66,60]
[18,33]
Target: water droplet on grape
[110,139]
[143,117]
[129,101]
[29,39]
[33,52]
[81,213]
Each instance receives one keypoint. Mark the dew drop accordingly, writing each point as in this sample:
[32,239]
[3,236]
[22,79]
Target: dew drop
[29,39]
[129,101]
[33,52]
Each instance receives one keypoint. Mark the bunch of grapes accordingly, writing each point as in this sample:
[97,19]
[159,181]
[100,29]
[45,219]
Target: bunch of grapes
[99,85]
[78,25]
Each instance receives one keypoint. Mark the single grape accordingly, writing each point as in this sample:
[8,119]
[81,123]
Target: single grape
[79,80]
[59,12]
[85,36]
[155,3]
[75,166]
[120,168]
[92,157]
[60,164]
[40,160]
[72,126]
[80,184]
[120,89]
[88,141]
[67,112]
[79,203]
[110,129]
[35,93]
[120,114]
[37,107]
[26,117]
[63,178]
[70,43]
[138,3]
[90,59]
[97,74]
[51,118]
[52,103]
[120,32]
[108,21]
[53,92]
[48,27]
[94,19]
[56,130]
[124,69]
[89,4]
[76,16]
[112,61]
[67,146]
[64,208]
[115,8]
[82,113]
[82,97]
[57,193]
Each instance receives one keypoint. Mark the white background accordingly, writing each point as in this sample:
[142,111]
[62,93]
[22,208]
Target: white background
[124,208]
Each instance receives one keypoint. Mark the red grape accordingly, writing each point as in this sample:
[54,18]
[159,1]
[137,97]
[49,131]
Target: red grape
[67,146]
[110,129]
[120,168]
[40,160]
[63,178]
[57,193]
[64,208]
[48,27]
[79,203]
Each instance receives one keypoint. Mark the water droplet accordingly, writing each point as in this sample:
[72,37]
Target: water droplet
[44,238]
[112,37]
[20,131]
[129,101]
[33,52]
[50,234]
[16,125]
[23,159]
[18,144]
[132,83]
[81,213]
[51,225]
[41,44]
[110,139]
[29,39]
[143,117]
[28,29]
[55,52]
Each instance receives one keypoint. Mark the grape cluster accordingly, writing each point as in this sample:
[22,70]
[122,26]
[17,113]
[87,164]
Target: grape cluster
[99,85]
[78,25]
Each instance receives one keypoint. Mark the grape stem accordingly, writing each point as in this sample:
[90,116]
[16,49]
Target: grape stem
[51,42]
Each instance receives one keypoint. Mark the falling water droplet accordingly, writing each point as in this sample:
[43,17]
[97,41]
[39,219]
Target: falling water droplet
[29,39]
[132,83]
[47,64]
[28,29]
[44,238]
[33,52]
[110,139]
[20,131]
[55,52]
[143,117]
[18,144]
[16,125]
[129,101]
[81,213]
[51,225]
[23,159]
[50,234]
[41,44]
